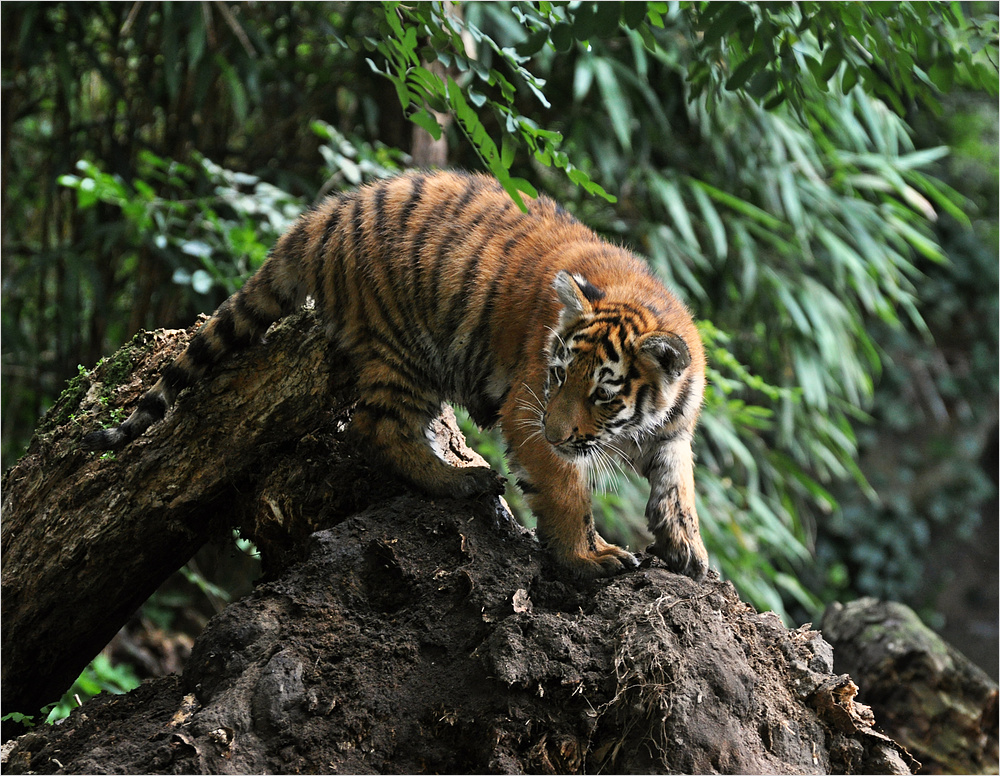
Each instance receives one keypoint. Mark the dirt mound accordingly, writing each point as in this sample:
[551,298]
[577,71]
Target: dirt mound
[428,637]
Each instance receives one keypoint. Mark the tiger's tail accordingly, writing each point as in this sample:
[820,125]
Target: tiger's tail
[270,294]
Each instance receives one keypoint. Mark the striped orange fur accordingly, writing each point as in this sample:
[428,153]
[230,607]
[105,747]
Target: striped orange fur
[441,289]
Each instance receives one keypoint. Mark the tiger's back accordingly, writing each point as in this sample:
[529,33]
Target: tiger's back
[441,288]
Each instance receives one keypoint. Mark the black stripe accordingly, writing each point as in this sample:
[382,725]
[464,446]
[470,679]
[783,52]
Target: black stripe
[377,315]
[680,403]
[611,353]
[287,300]
[613,424]
[318,268]
[480,345]
[605,319]
[176,378]
[470,277]
[399,287]
[224,328]
[298,238]
[385,245]
[633,374]
[416,194]
[392,353]
[448,242]
[404,397]
[381,412]
[415,290]
[368,280]
[247,310]
[623,310]
[154,405]
[332,222]
[358,230]
[480,338]
[381,233]
[361,259]
[600,337]
[641,399]
[527,488]
[343,281]
[328,260]
[199,351]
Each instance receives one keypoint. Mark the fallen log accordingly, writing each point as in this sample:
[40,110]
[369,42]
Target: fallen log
[926,694]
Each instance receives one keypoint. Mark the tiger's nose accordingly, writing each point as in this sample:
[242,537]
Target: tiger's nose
[556,436]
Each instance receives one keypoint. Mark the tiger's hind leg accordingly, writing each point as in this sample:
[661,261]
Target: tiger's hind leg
[394,418]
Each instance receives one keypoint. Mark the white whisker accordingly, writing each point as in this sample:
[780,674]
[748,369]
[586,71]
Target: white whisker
[621,457]
[537,413]
[537,433]
[534,396]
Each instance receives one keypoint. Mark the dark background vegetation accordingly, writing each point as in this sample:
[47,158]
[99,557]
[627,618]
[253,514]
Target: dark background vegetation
[830,215]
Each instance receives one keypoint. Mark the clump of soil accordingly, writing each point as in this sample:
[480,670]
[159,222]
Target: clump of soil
[418,636]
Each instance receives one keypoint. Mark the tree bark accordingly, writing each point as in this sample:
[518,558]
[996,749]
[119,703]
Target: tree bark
[87,537]
[927,694]
[392,633]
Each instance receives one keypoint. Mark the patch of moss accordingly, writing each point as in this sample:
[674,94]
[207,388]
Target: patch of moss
[117,368]
[68,402]
[113,371]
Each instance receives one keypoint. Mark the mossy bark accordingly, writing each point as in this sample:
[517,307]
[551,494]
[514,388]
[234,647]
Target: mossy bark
[87,537]
[927,695]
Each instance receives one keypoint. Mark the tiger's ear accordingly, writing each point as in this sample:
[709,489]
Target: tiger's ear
[576,294]
[668,350]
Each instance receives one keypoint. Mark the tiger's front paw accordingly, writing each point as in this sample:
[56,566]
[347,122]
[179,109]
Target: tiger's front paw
[682,554]
[673,522]
[607,561]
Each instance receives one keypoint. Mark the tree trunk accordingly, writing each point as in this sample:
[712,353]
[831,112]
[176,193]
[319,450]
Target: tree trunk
[392,633]
[88,537]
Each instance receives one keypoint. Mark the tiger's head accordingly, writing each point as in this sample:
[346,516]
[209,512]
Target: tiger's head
[612,371]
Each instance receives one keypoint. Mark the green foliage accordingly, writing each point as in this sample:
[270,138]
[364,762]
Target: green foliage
[932,411]
[27,720]
[100,676]
[899,52]
[213,240]
[416,36]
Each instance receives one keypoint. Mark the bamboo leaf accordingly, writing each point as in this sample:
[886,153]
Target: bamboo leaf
[615,104]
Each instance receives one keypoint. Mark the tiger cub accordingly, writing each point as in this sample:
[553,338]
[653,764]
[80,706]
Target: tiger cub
[441,288]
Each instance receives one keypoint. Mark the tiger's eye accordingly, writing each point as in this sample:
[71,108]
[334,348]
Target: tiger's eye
[602,394]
